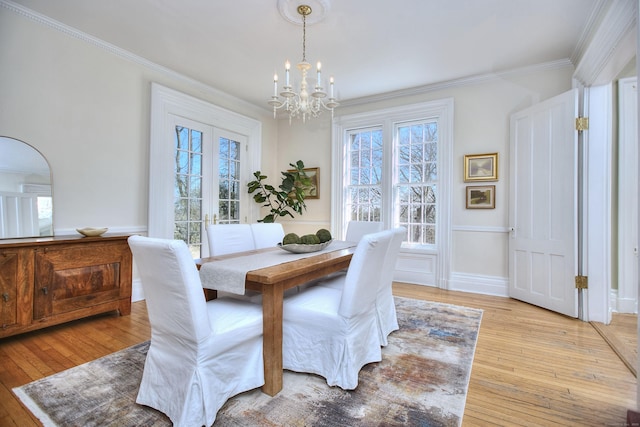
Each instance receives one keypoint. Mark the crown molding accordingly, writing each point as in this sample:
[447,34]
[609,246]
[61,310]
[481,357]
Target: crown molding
[115,50]
[609,43]
[465,81]
[613,21]
[595,19]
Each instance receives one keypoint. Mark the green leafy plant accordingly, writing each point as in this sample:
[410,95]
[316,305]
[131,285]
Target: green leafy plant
[287,198]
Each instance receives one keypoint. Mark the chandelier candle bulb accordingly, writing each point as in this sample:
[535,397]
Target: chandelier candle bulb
[287,65]
[331,87]
[275,85]
[319,78]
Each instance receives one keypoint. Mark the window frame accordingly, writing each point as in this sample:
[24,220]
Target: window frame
[389,119]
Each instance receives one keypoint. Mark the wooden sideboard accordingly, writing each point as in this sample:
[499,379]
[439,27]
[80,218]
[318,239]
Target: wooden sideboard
[47,281]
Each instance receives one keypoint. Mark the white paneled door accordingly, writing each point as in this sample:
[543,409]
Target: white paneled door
[543,204]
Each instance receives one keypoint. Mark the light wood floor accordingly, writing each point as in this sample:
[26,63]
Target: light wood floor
[622,336]
[532,367]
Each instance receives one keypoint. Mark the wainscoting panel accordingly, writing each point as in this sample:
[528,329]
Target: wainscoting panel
[416,268]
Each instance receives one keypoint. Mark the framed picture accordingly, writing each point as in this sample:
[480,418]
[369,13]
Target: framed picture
[314,175]
[481,196]
[481,167]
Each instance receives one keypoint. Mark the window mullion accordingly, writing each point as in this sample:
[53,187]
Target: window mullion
[389,170]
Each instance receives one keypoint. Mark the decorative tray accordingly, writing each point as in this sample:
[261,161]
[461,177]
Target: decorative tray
[91,232]
[304,249]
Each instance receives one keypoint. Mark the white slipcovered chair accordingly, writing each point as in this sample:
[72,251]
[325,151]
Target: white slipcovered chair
[229,238]
[267,234]
[385,305]
[334,332]
[201,353]
[357,229]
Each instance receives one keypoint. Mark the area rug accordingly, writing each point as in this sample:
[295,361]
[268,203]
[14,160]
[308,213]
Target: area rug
[422,381]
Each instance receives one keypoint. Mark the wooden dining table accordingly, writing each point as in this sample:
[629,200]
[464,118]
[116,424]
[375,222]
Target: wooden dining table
[272,282]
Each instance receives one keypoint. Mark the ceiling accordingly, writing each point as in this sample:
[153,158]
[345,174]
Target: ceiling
[371,47]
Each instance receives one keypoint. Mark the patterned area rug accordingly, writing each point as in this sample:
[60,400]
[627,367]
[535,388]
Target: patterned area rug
[421,381]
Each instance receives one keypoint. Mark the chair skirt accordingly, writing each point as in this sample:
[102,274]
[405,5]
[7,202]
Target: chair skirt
[337,349]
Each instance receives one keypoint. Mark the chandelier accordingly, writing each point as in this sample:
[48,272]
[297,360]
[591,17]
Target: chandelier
[302,104]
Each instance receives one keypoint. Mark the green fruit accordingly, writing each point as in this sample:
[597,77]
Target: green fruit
[324,235]
[309,239]
[290,238]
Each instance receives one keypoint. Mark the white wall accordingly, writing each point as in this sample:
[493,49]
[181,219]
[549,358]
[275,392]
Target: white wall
[86,110]
[481,125]
[311,143]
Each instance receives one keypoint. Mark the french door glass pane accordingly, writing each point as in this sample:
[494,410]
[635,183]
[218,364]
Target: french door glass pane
[188,188]
[229,181]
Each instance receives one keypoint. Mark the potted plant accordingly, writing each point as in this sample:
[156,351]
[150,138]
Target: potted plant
[287,198]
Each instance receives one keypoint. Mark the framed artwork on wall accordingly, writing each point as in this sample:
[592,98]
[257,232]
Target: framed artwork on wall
[481,196]
[480,167]
[312,192]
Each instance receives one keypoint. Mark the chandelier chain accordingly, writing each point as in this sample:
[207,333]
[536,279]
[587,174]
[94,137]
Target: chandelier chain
[304,38]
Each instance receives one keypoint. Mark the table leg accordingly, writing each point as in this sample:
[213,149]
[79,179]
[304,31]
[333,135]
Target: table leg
[272,338]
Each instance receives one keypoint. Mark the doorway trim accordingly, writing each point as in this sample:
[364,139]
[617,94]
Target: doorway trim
[597,201]
[165,103]
[626,298]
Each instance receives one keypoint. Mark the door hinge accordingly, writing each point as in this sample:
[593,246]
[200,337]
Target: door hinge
[582,282]
[582,123]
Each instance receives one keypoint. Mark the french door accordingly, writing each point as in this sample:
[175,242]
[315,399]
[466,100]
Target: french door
[208,177]
[201,157]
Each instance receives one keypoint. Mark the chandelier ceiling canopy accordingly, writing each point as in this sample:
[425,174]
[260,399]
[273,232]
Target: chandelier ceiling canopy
[307,100]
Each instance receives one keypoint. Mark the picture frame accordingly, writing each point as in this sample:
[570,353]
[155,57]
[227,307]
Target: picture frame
[480,167]
[314,175]
[481,196]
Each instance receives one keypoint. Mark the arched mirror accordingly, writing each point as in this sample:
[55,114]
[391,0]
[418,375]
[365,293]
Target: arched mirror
[26,202]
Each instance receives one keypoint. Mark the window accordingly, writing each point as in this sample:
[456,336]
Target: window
[364,190]
[394,166]
[416,181]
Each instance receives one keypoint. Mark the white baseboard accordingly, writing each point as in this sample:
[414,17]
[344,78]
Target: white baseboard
[613,300]
[627,305]
[478,284]
[621,305]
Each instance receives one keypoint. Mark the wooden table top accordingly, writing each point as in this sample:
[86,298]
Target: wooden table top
[286,270]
